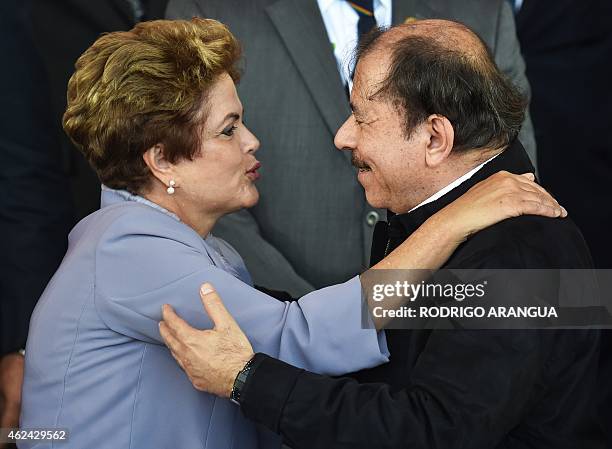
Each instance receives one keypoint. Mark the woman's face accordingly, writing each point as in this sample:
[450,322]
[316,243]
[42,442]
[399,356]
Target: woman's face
[221,178]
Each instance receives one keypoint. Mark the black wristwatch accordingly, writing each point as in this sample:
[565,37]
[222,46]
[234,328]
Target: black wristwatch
[240,382]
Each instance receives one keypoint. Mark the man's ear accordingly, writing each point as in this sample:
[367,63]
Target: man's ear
[441,140]
[158,164]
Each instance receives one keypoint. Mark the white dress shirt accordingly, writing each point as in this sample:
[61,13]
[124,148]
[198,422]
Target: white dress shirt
[340,21]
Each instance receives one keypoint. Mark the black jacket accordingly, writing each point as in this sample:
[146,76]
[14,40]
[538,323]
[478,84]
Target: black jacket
[452,388]
[35,206]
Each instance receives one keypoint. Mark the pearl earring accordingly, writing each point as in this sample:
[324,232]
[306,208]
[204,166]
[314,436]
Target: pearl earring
[170,188]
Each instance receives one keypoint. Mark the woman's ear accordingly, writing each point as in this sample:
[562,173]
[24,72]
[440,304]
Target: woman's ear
[442,137]
[158,164]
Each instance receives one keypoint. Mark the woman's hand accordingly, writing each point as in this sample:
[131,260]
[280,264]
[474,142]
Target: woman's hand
[501,196]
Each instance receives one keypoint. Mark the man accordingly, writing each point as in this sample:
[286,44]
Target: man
[432,116]
[297,47]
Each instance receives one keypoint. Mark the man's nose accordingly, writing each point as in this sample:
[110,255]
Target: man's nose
[346,137]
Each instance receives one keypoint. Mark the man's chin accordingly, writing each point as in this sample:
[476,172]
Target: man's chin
[372,192]
[375,200]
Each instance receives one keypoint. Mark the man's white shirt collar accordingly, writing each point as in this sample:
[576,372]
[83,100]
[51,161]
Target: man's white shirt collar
[457,182]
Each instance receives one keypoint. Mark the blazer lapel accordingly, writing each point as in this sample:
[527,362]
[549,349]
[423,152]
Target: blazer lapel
[301,28]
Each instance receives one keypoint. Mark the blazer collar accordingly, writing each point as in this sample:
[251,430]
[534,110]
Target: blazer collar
[111,196]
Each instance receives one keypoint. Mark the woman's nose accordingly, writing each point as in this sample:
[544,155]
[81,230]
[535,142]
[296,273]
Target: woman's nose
[251,142]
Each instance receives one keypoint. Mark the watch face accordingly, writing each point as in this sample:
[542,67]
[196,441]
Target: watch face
[239,383]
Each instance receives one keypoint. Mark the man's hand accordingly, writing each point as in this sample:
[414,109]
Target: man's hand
[211,358]
[11,380]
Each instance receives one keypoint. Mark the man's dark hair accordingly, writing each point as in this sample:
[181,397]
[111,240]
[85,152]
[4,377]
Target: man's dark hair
[429,77]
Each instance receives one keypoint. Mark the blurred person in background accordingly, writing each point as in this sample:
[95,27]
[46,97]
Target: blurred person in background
[567,46]
[62,30]
[568,49]
[303,48]
[35,204]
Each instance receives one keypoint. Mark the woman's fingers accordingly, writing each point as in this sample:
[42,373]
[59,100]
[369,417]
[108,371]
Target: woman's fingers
[524,203]
[530,207]
[545,197]
[526,184]
[536,188]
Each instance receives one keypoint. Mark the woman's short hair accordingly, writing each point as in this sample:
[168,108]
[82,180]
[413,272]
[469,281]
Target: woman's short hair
[131,90]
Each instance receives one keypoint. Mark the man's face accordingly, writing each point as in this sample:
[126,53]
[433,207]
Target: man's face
[390,166]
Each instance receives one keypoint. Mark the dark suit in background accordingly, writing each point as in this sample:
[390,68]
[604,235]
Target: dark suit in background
[35,204]
[63,30]
[312,226]
[567,46]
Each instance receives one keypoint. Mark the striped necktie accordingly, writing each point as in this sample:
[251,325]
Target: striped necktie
[365,9]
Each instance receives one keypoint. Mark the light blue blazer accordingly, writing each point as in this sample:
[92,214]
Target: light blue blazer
[96,364]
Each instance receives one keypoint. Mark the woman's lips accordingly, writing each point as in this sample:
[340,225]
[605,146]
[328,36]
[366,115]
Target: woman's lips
[252,173]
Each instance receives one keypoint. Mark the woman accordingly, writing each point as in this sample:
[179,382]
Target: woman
[155,111]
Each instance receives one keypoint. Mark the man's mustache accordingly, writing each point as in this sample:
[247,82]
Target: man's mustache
[358,163]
